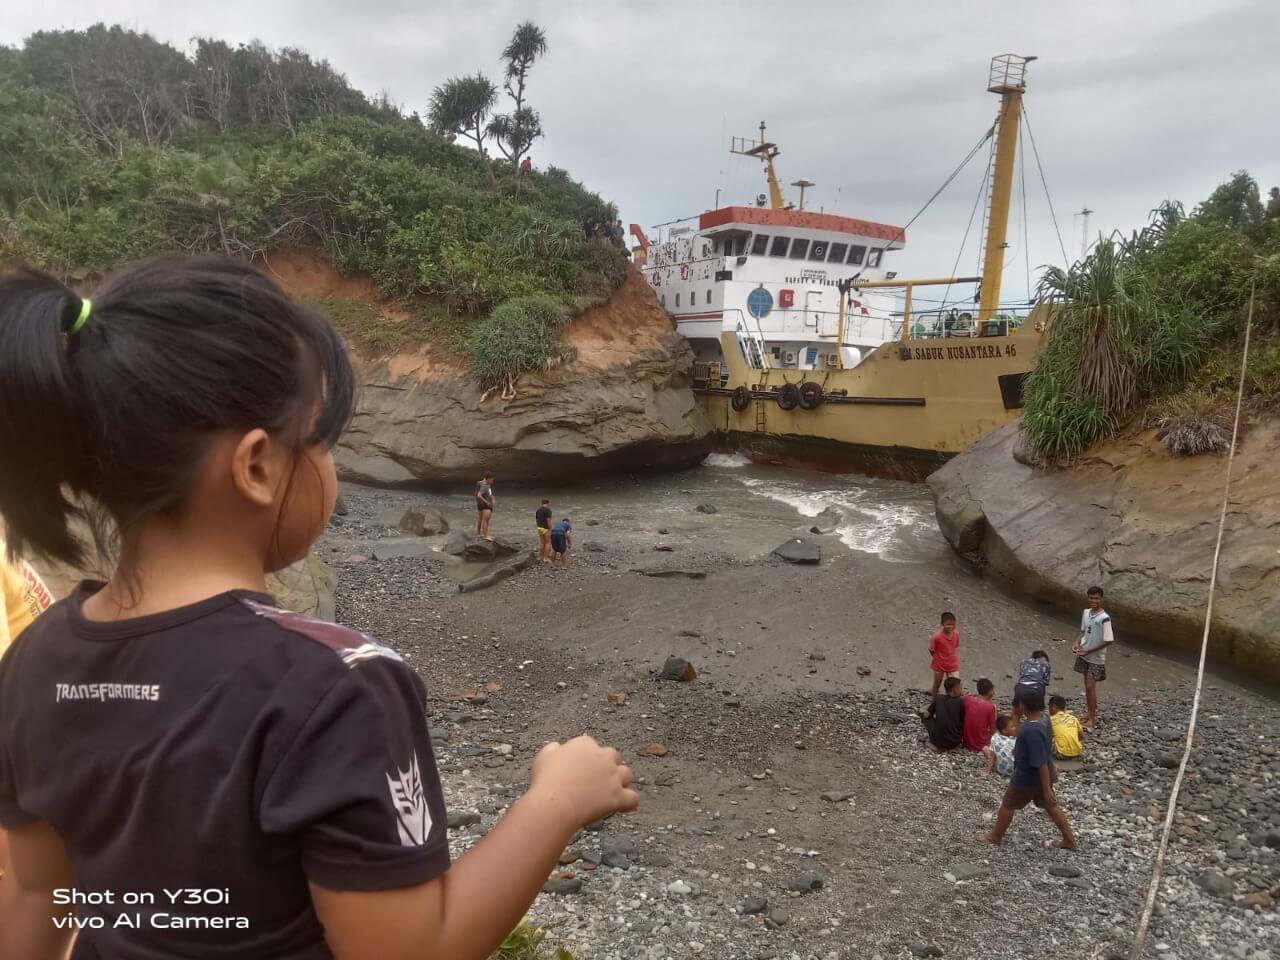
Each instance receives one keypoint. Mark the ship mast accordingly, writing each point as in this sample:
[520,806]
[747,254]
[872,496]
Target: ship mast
[1007,78]
[765,151]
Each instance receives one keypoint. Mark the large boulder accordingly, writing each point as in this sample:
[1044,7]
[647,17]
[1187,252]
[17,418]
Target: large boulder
[478,549]
[1141,524]
[623,402]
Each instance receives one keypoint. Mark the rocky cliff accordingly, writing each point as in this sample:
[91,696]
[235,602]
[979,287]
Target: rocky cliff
[623,403]
[1139,522]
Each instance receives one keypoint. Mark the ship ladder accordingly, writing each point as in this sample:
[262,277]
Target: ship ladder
[761,426]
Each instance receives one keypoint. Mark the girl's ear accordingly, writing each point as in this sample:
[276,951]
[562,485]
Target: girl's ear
[256,468]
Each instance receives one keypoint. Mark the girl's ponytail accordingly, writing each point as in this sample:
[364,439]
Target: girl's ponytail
[41,455]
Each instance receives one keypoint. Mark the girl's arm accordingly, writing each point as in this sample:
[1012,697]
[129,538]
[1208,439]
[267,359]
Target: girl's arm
[464,914]
[38,865]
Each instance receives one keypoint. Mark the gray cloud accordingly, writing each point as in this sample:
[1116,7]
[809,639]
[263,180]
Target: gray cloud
[1131,103]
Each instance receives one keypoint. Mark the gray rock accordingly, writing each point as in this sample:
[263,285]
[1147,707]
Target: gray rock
[483,550]
[797,550]
[594,547]
[462,818]
[707,508]
[806,883]
[1273,839]
[672,573]
[968,871]
[925,950]
[615,858]
[563,886]
[401,550]
[753,905]
[499,571]
[828,521]
[1063,870]
[777,917]
[456,545]
[1169,761]
[679,888]
[837,796]
[678,669]
[340,506]
[1216,884]
[416,522]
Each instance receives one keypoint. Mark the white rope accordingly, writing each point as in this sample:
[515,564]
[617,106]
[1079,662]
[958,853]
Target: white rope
[1144,924]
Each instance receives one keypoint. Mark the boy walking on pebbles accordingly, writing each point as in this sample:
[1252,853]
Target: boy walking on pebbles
[1091,652]
[944,650]
[1033,777]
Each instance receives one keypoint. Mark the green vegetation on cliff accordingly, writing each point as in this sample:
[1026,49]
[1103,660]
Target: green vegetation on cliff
[114,146]
[1156,319]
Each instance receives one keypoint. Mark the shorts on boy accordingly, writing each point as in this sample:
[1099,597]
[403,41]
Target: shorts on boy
[1015,798]
[1020,689]
[1096,670]
[558,544]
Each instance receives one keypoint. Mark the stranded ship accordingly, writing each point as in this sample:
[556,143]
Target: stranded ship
[808,350]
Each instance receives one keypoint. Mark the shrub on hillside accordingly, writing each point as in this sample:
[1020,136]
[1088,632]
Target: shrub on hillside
[520,334]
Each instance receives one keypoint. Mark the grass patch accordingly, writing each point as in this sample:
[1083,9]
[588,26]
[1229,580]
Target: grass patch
[526,942]
[521,334]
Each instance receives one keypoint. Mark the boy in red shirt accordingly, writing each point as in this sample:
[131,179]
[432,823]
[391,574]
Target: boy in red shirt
[980,716]
[943,649]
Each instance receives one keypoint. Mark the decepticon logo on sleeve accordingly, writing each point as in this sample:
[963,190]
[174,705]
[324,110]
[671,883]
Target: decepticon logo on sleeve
[413,818]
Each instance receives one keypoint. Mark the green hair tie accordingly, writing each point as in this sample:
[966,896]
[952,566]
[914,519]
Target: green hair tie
[85,306]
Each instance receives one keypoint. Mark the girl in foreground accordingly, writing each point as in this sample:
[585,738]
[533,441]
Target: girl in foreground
[192,771]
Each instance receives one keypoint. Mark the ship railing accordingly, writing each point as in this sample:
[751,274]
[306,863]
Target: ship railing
[954,322]
[750,342]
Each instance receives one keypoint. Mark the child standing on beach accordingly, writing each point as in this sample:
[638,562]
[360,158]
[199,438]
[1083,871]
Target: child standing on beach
[1033,777]
[944,649]
[173,727]
[1091,652]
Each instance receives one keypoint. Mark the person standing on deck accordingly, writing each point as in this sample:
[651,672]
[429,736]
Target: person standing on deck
[1091,652]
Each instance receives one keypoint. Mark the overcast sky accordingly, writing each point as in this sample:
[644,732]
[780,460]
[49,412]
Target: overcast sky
[1130,102]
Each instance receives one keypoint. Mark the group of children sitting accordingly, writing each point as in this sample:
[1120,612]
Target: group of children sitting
[955,718]
[1021,744]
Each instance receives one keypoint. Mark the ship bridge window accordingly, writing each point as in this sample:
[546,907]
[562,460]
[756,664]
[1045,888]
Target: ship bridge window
[779,248]
[693,298]
[873,257]
[799,248]
[818,251]
[856,254]
[732,244]
[759,245]
[677,299]
[838,252]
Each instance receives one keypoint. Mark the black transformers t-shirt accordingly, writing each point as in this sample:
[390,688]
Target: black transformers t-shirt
[204,764]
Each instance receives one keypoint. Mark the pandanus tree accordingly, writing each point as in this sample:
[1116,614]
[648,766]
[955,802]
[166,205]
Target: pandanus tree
[460,108]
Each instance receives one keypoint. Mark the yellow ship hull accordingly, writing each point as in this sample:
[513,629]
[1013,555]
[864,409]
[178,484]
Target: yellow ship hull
[902,412]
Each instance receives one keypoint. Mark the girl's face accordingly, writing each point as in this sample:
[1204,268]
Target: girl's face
[306,508]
